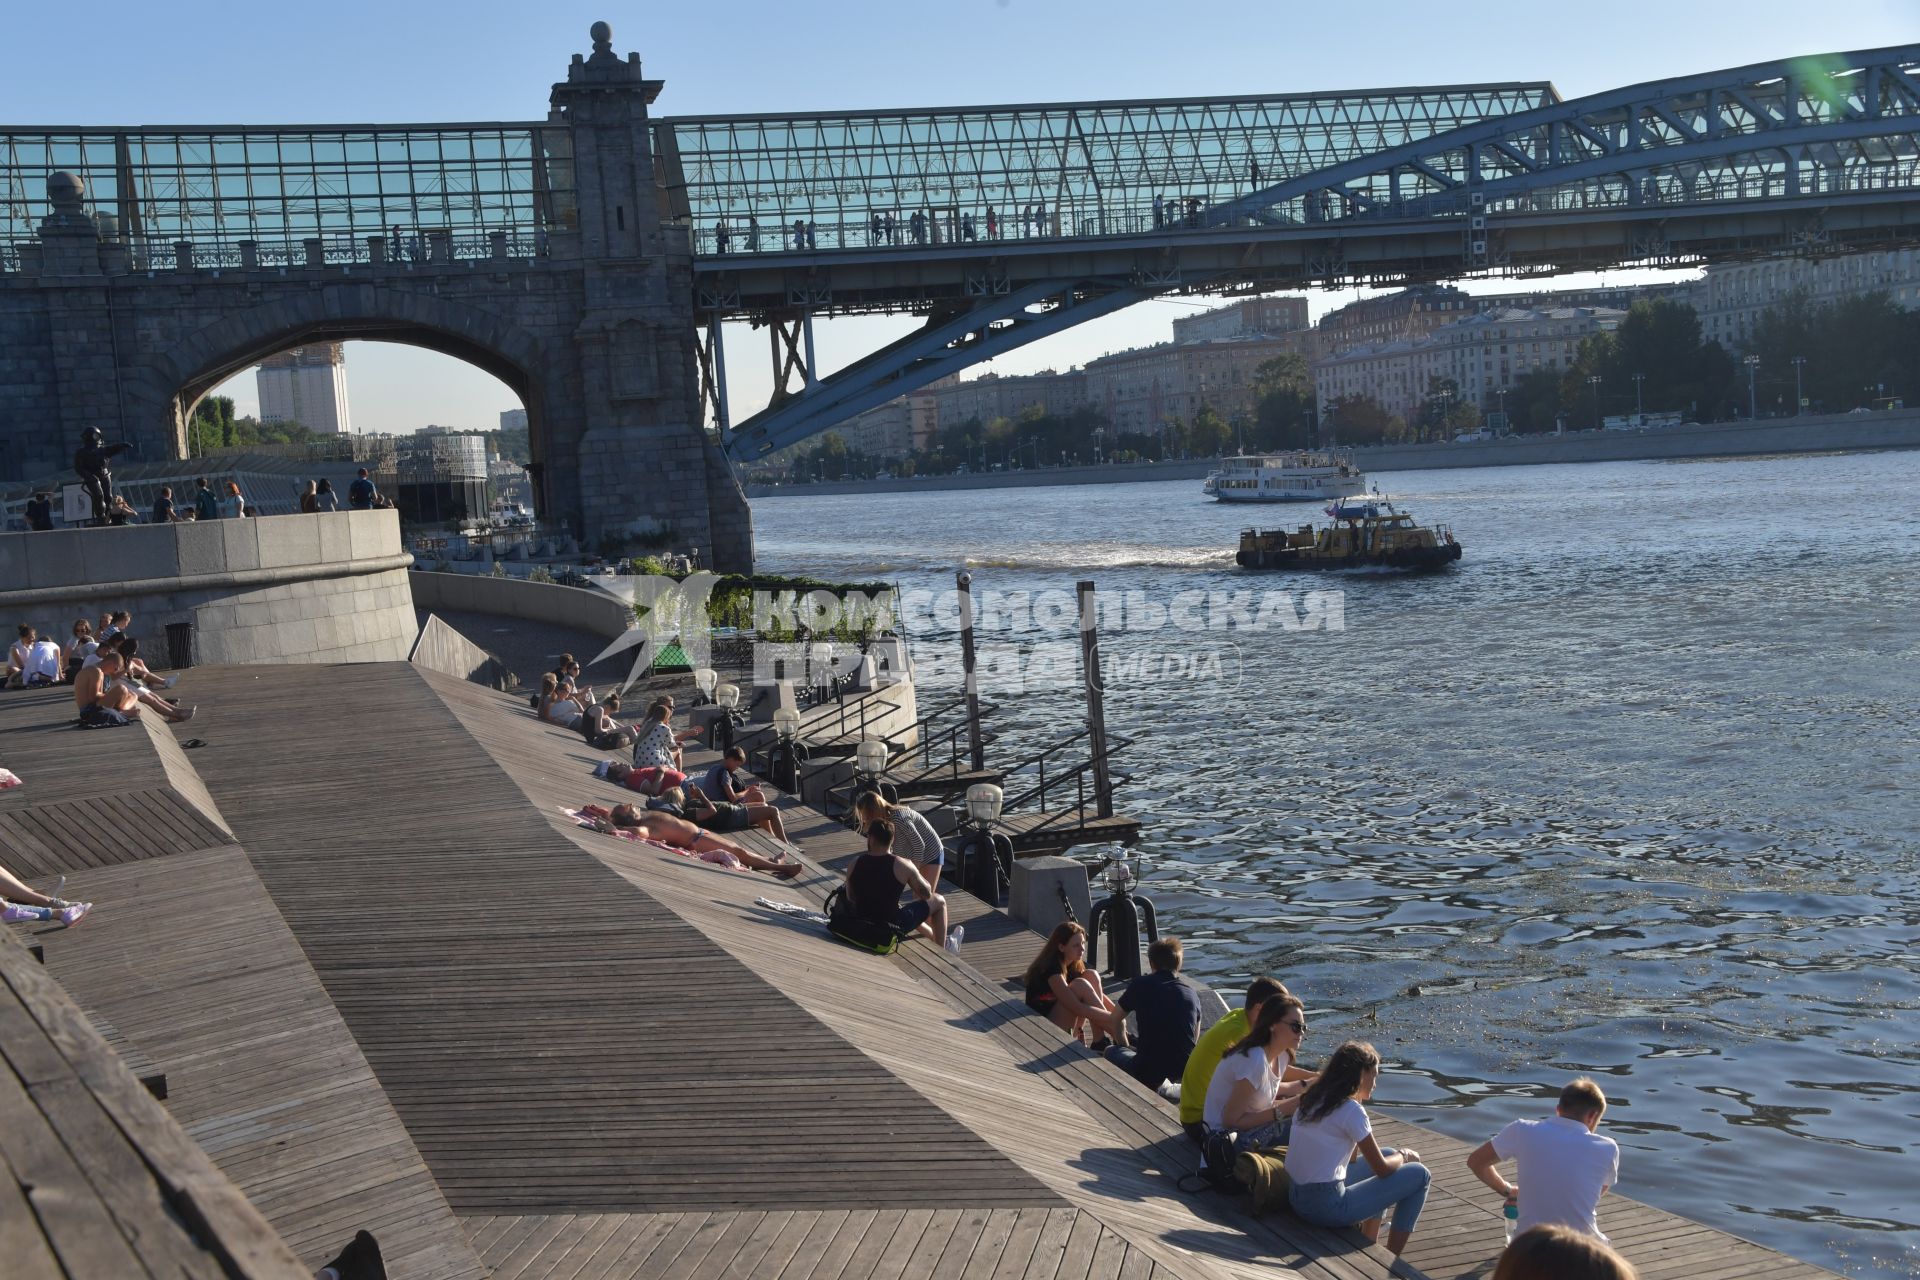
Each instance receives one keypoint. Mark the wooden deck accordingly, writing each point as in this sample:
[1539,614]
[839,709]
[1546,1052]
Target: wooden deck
[401,991]
[95,1178]
[1110,1148]
[554,1039]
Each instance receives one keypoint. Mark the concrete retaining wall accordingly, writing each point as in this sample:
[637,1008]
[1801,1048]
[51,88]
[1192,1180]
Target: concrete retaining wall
[1899,429]
[299,588]
[576,607]
[443,649]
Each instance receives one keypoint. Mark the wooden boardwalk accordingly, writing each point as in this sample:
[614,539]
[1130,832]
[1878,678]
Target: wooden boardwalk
[393,987]
[95,1178]
[554,1040]
[1109,1147]
[188,958]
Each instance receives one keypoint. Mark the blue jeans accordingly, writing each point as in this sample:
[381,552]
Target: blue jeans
[1267,1135]
[1363,1196]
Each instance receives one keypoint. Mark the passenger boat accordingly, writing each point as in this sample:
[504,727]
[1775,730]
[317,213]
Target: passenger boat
[1304,475]
[1366,533]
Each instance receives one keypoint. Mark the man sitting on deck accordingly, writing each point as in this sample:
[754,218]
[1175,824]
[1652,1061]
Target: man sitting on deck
[34,661]
[1168,1009]
[873,884]
[106,697]
[1562,1164]
[1208,1050]
[670,829]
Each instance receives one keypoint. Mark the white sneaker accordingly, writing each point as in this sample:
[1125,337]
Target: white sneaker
[75,913]
[954,937]
[170,681]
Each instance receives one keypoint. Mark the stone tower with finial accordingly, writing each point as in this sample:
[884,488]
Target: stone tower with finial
[641,414]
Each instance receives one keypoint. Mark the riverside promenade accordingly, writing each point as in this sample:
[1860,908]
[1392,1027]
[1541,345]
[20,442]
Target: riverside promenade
[1894,429]
[391,986]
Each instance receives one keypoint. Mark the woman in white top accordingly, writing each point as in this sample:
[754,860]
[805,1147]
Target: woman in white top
[913,836]
[559,706]
[1256,1086]
[1329,1187]
[233,506]
[81,647]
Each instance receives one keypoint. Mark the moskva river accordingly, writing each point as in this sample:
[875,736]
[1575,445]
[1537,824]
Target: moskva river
[1632,791]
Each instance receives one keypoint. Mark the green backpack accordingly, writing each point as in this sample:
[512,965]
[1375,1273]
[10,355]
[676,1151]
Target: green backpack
[856,930]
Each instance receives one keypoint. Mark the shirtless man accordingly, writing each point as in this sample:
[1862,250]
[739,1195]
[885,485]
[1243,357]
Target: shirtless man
[105,685]
[652,824]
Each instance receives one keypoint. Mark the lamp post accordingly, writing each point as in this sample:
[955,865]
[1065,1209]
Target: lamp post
[727,698]
[1799,397]
[1099,434]
[785,762]
[1593,384]
[704,681]
[820,669]
[870,769]
[986,859]
[1753,401]
[1120,915]
[1639,405]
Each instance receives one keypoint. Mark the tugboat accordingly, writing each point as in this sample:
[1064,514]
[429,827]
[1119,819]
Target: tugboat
[1366,533]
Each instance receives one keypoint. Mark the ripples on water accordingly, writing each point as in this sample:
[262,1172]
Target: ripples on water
[1630,793]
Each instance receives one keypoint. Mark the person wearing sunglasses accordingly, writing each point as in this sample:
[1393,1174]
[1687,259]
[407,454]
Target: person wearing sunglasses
[1256,1087]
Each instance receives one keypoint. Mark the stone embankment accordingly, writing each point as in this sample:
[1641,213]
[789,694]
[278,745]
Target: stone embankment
[1898,429]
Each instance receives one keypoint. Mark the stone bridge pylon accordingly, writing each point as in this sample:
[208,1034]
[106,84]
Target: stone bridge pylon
[553,269]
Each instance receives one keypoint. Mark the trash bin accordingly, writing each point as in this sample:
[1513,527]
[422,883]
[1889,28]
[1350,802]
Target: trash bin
[179,645]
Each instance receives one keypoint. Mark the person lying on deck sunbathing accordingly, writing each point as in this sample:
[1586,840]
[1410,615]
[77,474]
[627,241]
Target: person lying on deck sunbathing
[19,901]
[654,824]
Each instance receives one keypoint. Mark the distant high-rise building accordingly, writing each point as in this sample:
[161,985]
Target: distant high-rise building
[307,385]
[513,419]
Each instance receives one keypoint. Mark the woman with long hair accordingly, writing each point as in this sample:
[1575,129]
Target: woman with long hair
[913,836]
[559,706]
[233,506]
[1060,985]
[1554,1252]
[309,504]
[324,498]
[1330,1188]
[1256,1087]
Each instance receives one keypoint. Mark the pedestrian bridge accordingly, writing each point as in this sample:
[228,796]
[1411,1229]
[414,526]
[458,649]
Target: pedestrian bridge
[999,224]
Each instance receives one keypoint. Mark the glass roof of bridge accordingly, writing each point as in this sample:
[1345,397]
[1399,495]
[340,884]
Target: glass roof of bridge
[1066,169]
[283,186]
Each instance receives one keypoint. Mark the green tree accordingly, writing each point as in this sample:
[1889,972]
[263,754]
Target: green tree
[1283,403]
[1210,433]
[1533,402]
[1359,420]
[212,426]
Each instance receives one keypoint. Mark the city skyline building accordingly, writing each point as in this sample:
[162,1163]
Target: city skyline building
[307,385]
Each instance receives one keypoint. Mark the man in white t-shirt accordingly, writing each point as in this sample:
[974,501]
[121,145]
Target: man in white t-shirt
[1564,1167]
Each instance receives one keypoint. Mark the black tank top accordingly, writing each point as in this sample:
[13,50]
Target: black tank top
[874,888]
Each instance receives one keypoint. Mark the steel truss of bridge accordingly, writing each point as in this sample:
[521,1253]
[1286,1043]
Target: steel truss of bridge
[1004,224]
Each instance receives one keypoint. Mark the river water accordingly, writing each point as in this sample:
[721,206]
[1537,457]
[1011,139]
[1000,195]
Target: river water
[1630,792]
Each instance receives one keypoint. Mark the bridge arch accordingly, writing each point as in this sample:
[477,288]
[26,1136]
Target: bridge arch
[176,378]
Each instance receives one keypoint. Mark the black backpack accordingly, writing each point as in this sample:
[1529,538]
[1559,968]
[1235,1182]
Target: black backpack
[856,930]
[1216,1165]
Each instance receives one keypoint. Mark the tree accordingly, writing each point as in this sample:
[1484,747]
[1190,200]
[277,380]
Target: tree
[1209,434]
[1533,402]
[212,426]
[1283,403]
[1359,420]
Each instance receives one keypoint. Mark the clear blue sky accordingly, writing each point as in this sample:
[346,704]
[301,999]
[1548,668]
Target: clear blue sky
[205,62]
